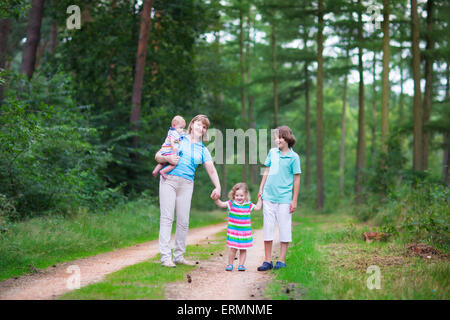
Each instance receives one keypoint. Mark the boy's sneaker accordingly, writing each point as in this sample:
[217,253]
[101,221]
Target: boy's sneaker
[279,265]
[265,266]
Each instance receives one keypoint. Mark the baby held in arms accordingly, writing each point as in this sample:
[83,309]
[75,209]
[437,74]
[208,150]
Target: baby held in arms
[170,145]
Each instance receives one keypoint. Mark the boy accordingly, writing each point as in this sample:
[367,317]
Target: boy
[279,190]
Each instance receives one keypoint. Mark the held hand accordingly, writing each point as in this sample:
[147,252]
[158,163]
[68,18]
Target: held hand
[215,194]
[293,207]
[260,193]
[173,159]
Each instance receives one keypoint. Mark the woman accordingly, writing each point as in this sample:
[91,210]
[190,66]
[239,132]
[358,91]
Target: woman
[175,192]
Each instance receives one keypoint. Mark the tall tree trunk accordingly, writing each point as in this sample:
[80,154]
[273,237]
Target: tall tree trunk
[417,102]
[307,128]
[53,37]
[40,51]
[385,89]
[156,32]
[446,151]
[242,71]
[428,96]
[274,72]
[401,106]
[361,148]
[374,109]
[343,128]
[219,101]
[251,101]
[320,199]
[5,29]
[33,38]
[140,68]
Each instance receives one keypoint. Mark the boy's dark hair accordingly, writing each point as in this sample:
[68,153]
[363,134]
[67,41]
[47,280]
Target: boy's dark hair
[286,133]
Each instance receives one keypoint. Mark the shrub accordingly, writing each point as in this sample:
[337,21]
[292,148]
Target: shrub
[47,163]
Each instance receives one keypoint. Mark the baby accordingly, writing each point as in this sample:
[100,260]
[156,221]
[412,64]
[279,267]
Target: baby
[170,145]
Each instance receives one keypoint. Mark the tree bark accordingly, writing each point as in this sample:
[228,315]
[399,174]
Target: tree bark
[33,38]
[53,37]
[320,199]
[374,109]
[385,88]
[361,147]
[343,129]
[401,104]
[417,102]
[242,71]
[428,96]
[274,70]
[219,101]
[251,101]
[307,128]
[446,151]
[5,29]
[140,67]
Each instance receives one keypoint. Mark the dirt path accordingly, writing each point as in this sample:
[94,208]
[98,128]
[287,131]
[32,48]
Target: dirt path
[210,281]
[49,283]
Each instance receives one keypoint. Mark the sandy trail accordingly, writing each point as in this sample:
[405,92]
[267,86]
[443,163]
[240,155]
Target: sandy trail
[210,281]
[54,281]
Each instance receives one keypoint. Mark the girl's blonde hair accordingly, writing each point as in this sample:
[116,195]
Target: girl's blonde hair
[239,186]
[204,119]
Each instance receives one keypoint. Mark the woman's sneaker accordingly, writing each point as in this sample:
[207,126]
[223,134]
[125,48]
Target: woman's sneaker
[265,266]
[184,261]
[168,263]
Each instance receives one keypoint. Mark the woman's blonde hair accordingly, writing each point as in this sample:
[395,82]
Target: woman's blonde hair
[239,186]
[204,119]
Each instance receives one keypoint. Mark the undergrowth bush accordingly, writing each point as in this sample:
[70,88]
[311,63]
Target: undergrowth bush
[48,161]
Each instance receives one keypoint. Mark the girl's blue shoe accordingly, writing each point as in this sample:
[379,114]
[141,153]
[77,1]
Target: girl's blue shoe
[279,265]
[229,267]
[241,268]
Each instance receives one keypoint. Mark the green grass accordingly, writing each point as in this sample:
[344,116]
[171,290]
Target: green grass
[145,280]
[42,242]
[328,260]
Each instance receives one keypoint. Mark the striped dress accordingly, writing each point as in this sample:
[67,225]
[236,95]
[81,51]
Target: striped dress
[166,148]
[239,231]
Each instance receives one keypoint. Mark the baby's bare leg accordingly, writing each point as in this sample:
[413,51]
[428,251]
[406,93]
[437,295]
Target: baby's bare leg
[164,171]
[157,168]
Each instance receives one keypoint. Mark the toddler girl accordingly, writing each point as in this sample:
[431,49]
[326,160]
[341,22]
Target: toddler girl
[170,145]
[239,233]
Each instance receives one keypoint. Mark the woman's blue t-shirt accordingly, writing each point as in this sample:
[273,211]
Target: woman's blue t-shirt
[191,155]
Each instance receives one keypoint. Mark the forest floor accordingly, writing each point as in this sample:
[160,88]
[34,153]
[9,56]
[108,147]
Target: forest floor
[57,280]
[210,281]
[327,260]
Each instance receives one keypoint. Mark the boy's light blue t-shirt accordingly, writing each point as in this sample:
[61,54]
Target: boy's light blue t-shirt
[191,155]
[280,181]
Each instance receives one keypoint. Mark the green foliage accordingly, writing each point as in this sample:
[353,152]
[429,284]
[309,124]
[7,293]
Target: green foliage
[388,168]
[46,160]
[14,8]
